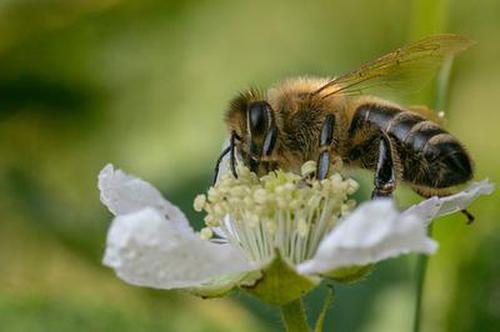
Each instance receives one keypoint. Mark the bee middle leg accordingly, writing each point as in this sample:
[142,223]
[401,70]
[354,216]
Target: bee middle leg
[325,143]
[385,173]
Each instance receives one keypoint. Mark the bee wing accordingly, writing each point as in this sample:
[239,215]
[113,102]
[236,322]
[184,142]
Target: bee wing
[408,67]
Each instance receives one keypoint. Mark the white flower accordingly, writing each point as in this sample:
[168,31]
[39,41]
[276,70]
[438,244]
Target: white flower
[150,242]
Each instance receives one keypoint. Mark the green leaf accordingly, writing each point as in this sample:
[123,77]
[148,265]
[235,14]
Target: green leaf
[280,283]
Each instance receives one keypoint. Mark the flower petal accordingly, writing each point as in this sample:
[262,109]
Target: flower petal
[440,206]
[123,194]
[373,232]
[145,249]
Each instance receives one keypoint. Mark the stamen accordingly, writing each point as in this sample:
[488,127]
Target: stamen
[199,203]
[280,210]
[206,233]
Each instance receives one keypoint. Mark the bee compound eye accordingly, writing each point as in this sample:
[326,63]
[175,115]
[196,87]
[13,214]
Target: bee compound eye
[258,117]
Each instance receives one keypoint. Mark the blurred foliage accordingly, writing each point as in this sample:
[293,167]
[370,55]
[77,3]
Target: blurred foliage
[144,84]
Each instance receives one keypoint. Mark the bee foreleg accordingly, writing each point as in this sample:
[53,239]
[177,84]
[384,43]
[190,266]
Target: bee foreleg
[325,142]
[217,164]
[385,178]
[232,156]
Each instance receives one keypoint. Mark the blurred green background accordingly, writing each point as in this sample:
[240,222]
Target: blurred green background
[144,85]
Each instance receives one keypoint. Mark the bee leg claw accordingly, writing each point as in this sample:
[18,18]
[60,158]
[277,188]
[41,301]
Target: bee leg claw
[470,217]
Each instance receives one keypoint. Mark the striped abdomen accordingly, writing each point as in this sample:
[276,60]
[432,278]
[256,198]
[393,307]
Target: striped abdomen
[429,156]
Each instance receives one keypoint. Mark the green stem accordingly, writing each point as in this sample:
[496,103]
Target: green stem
[294,316]
[423,260]
[321,319]
[430,16]
[422,264]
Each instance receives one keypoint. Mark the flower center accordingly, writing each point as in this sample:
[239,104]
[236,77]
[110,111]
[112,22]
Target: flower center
[279,211]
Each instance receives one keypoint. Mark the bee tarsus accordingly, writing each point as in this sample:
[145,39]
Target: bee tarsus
[470,217]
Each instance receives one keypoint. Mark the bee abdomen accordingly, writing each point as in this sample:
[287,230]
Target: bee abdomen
[449,163]
[440,161]
[421,133]
[430,156]
[402,124]
[394,121]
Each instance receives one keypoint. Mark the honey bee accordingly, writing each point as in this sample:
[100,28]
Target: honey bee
[323,119]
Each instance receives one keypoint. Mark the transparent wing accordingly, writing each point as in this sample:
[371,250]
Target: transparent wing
[405,68]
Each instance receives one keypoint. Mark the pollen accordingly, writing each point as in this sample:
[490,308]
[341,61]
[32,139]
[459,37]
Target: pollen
[281,210]
[199,203]
[206,233]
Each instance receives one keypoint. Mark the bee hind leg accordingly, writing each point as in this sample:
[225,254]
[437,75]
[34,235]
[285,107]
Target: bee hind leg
[385,177]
